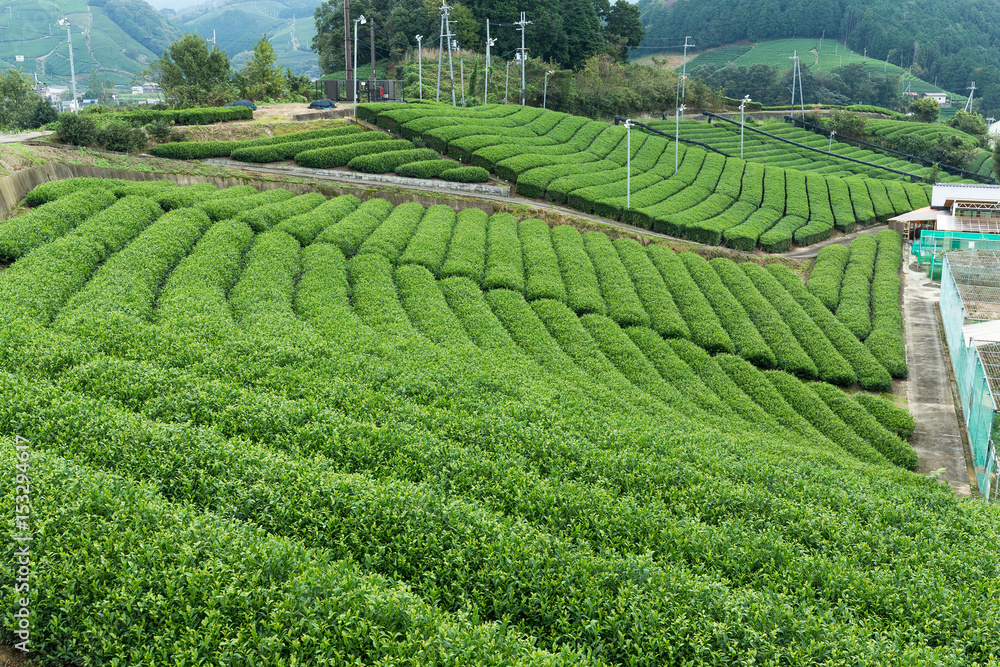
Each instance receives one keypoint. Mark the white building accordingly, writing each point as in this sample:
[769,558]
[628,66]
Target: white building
[940,98]
[137,90]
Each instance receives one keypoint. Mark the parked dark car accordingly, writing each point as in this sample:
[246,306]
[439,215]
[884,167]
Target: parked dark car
[323,104]
[241,103]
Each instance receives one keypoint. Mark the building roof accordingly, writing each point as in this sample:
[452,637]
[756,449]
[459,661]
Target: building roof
[946,194]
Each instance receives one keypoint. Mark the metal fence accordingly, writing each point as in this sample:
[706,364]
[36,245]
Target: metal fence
[930,248]
[970,292]
[380,90]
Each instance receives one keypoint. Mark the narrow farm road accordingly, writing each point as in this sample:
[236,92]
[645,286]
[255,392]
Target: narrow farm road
[938,436]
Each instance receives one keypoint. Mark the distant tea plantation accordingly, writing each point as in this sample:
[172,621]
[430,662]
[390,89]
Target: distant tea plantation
[268,428]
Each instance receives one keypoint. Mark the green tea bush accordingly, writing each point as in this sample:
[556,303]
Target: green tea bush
[466,175]
[541,266]
[504,261]
[391,238]
[429,243]
[827,274]
[338,156]
[854,307]
[381,163]
[467,252]
[24,233]
[425,168]
[664,316]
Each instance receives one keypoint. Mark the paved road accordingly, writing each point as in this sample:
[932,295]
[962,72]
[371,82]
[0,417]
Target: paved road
[23,136]
[938,436]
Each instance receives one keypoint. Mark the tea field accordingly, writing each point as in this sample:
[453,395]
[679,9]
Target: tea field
[681,190]
[277,429]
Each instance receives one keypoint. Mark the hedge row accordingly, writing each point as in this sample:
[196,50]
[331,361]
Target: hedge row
[381,163]
[504,261]
[338,156]
[221,208]
[831,366]
[674,371]
[38,284]
[583,293]
[305,227]
[807,403]
[196,116]
[543,277]
[788,353]
[24,233]
[886,338]
[196,150]
[896,419]
[284,150]
[262,218]
[867,427]
[854,307]
[356,227]
[391,238]
[426,168]
[467,252]
[871,374]
[466,175]
[664,316]
[622,303]
[704,325]
[827,274]
[747,340]
[429,244]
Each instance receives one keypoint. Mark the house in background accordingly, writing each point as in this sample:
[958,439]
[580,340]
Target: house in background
[940,98]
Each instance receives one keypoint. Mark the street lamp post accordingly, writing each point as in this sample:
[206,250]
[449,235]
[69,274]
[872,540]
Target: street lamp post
[506,83]
[545,89]
[677,135]
[829,149]
[746,98]
[420,66]
[628,161]
[72,71]
[363,21]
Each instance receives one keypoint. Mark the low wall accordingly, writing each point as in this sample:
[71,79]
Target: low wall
[14,187]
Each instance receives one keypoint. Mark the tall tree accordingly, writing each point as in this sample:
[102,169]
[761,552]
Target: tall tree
[262,78]
[191,74]
[17,100]
[622,27]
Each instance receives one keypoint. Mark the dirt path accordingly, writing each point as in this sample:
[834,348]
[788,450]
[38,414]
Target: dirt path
[809,252]
[938,436]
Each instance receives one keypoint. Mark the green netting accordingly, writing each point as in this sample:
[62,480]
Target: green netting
[976,368]
[932,245]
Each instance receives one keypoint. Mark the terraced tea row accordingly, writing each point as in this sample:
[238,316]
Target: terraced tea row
[425,470]
[708,198]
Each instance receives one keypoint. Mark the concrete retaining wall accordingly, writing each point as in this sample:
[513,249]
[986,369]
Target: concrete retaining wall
[14,187]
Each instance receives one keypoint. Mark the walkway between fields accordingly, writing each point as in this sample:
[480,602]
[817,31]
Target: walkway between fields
[938,436]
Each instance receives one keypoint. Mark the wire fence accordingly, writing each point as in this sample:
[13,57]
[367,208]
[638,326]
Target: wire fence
[970,293]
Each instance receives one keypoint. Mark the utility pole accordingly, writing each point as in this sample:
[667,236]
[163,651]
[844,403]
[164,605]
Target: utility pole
[486,85]
[348,74]
[684,70]
[795,60]
[446,29]
[461,70]
[677,136]
[521,25]
[72,71]
[968,105]
[361,19]
[628,158]
[440,56]
[743,104]
[371,43]
[802,95]
[506,83]
[420,67]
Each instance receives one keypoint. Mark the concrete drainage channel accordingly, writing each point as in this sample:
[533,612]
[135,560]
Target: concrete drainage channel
[419,183]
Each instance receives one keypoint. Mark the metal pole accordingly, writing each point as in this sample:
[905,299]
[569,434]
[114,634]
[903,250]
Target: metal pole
[677,137]
[420,66]
[355,80]
[451,63]
[440,56]
[486,85]
[72,70]
[545,90]
[746,98]
[461,72]
[348,74]
[506,83]
[371,44]
[628,159]
[684,72]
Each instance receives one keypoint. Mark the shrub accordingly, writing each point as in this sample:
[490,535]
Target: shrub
[76,129]
[854,307]
[338,156]
[504,261]
[24,233]
[391,238]
[827,274]
[583,294]
[355,228]
[426,168]
[430,240]
[544,279]
[118,136]
[381,163]
[867,427]
[467,252]
[664,316]
[194,150]
[466,175]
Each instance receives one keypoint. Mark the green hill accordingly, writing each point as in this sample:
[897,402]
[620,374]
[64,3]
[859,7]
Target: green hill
[239,24]
[116,37]
[377,434]
[953,42]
